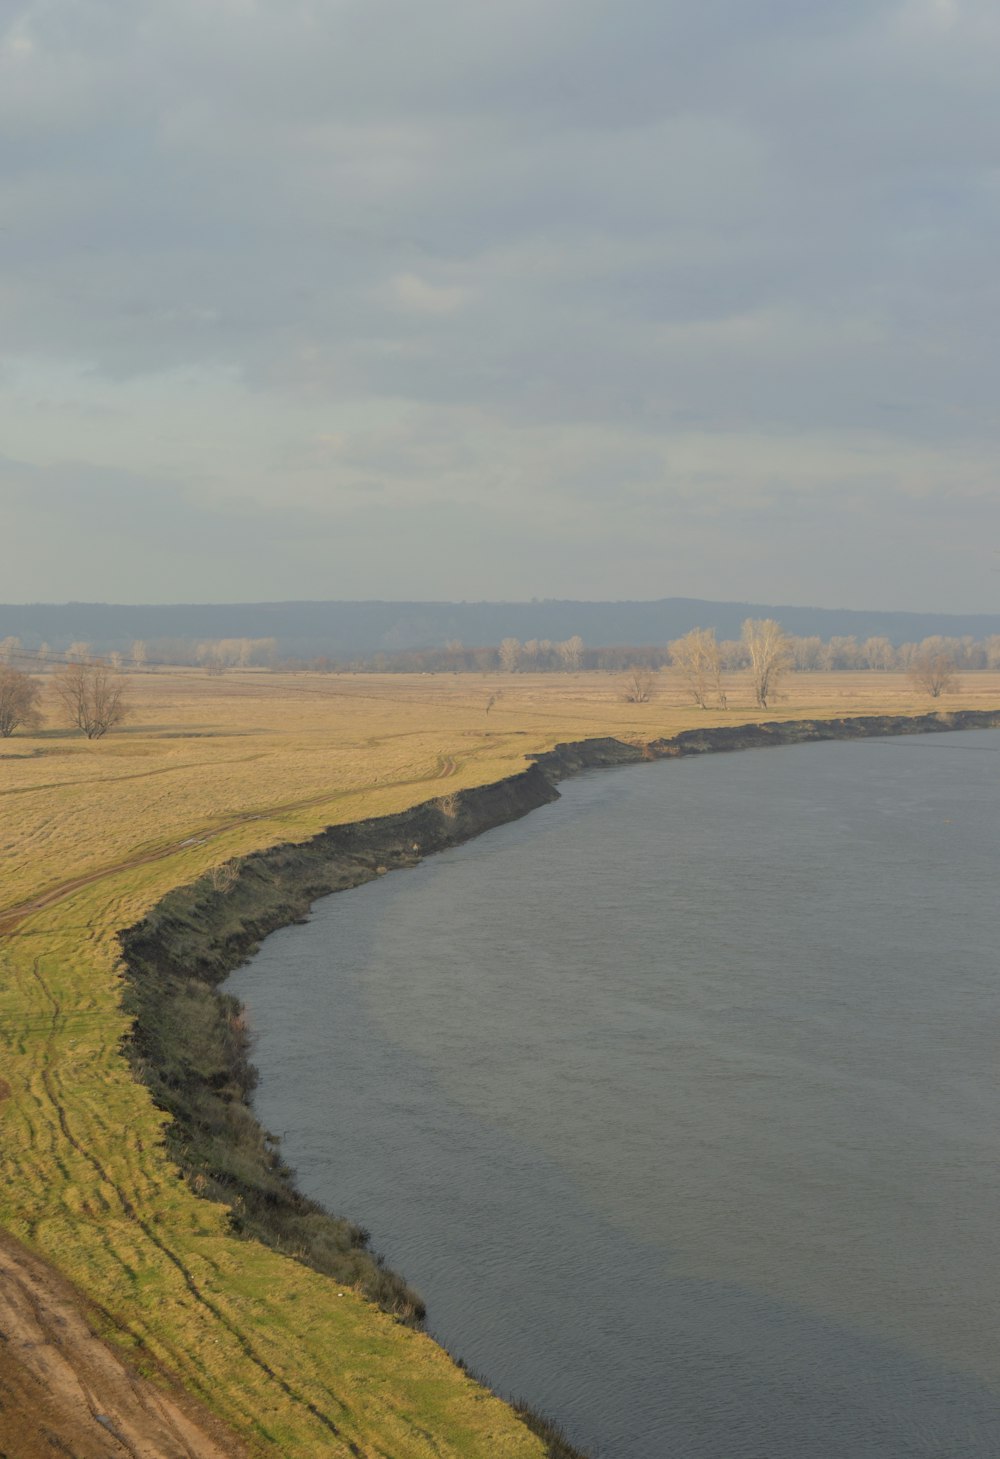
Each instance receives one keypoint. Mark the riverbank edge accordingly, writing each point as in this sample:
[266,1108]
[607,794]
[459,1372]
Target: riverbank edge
[190,1045]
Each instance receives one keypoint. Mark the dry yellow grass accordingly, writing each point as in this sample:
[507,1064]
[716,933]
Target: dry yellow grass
[207,769]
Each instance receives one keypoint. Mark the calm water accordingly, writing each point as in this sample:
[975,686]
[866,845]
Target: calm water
[678,1099]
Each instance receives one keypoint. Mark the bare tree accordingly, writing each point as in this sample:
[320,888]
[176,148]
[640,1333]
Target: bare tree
[93,697]
[9,646]
[19,695]
[138,653]
[698,656]
[933,673]
[571,652]
[973,653]
[210,654]
[639,686]
[807,652]
[879,653]
[843,653]
[734,653]
[770,656]
[78,651]
[510,654]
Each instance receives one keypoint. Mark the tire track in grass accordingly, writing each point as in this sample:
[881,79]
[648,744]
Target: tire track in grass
[53,1023]
[65,1389]
[11,917]
[103,780]
[131,1214]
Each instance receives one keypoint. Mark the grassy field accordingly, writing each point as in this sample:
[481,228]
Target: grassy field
[91,836]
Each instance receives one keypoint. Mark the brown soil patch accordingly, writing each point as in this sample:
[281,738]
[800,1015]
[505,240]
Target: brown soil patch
[64,1391]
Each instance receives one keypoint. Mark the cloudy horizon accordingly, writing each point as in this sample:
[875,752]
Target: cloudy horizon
[318,301]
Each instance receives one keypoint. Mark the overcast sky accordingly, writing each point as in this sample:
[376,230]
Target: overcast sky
[500,299]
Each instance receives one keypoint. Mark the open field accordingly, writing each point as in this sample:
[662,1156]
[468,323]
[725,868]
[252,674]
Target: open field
[91,836]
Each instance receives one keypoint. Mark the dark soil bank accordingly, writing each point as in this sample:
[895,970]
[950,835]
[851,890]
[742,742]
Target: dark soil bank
[190,1045]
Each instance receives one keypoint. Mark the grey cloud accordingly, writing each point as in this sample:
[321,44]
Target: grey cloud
[660,218]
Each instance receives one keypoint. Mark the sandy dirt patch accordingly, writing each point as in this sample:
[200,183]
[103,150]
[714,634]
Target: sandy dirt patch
[64,1391]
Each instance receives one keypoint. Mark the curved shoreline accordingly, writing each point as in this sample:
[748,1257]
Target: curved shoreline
[180,953]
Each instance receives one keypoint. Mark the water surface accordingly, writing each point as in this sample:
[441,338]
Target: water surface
[677,1099]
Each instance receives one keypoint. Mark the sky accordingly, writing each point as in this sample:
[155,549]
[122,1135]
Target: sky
[500,299]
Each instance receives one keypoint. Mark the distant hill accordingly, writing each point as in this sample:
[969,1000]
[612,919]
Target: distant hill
[339,630]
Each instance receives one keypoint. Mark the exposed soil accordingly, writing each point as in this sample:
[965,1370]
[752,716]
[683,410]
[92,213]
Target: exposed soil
[801,731]
[63,1391]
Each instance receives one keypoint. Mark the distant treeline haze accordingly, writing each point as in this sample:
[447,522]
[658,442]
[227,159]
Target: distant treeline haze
[511,655]
[543,656]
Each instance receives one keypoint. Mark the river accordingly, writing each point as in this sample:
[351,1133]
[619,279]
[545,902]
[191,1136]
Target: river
[678,1098]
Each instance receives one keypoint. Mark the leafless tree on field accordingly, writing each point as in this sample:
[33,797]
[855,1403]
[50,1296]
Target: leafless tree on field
[879,654]
[842,652]
[19,695]
[933,673]
[807,652]
[211,656]
[493,699]
[218,654]
[698,657]
[139,654]
[639,686]
[733,652]
[770,656]
[9,646]
[571,652]
[510,654]
[93,697]
[78,651]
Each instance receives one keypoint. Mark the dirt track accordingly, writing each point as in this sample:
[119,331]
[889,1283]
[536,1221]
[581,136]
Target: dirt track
[10,917]
[65,1392]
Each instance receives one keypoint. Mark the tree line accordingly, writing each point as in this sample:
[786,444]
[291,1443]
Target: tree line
[91,693]
[763,649]
[511,655]
[812,654]
[769,653]
[216,653]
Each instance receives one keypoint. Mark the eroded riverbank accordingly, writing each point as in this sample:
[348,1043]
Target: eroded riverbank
[198,934]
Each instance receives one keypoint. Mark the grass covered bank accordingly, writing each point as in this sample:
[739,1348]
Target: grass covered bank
[97,837]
